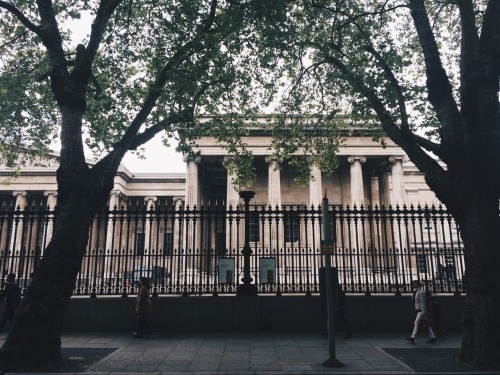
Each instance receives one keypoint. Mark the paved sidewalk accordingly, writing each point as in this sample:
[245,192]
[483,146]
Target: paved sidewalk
[249,353]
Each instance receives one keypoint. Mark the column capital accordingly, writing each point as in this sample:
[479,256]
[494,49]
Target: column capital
[402,158]
[271,158]
[196,159]
[50,192]
[115,192]
[19,193]
[148,199]
[352,159]
[178,199]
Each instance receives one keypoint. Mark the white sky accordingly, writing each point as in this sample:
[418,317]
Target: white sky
[159,159]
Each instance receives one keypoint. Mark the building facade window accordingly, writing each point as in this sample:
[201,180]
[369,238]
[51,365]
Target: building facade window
[139,243]
[421,263]
[291,227]
[253,227]
[168,243]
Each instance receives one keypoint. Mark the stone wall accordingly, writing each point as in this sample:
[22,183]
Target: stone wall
[263,313]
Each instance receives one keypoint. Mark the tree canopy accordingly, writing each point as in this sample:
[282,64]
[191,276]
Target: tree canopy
[425,73]
[428,71]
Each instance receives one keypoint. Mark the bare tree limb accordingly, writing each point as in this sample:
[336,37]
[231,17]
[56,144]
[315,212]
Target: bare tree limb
[22,18]
[394,84]
[469,42]
[403,137]
[438,85]
[104,13]
[14,39]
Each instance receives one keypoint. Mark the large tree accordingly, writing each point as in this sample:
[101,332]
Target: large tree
[144,68]
[428,72]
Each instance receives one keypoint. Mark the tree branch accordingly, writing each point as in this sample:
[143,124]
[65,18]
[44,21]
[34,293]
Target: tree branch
[403,137]
[394,83]
[184,52]
[439,88]
[469,42]
[149,133]
[22,18]
[14,39]
[103,15]
[435,148]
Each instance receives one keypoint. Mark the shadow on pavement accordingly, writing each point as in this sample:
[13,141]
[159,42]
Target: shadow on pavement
[432,360]
[77,360]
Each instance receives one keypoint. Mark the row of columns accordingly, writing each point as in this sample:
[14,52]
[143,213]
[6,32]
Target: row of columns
[397,197]
[15,237]
[193,194]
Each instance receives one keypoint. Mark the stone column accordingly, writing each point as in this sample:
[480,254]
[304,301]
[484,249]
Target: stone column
[114,202]
[178,237]
[315,187]
[274,201]
[232,201]
[17,227]
[398,195]
[49,225]
[385,227]
[112,241]
[274,182]
[375,203]
[150,229]
[375,192]
[412,198]
[357,242]
[182,232]
[315,198]
[192,228]
[192,182]
[16,237]
[401,243]
[357,191]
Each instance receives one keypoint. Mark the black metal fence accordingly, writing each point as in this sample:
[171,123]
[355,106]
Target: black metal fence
[198,250]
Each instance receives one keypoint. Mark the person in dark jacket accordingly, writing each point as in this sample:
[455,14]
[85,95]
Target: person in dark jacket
[143,307]
[12,295]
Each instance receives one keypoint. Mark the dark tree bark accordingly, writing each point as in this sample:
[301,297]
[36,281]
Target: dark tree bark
[34,341]
[479,228]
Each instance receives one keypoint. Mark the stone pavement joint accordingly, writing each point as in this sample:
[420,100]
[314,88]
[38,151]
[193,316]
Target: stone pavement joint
[255,353]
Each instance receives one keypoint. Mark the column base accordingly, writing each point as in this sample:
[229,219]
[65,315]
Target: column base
[246,290]
[332,362]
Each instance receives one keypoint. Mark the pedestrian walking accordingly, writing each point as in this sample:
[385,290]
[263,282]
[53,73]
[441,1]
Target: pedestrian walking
[12,295]
[420,303]
[143,308]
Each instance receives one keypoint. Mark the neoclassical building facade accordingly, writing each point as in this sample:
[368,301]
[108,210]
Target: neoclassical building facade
[149,221]
[368,175]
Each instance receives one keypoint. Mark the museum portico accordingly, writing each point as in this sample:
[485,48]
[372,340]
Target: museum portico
[187,223]
[368,175]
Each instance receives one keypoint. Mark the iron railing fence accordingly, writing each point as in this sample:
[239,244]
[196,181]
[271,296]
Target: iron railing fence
[198,250]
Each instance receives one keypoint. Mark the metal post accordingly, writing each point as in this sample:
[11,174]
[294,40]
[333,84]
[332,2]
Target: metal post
[332,361]
[247,288]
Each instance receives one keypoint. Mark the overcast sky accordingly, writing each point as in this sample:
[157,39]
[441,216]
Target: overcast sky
[158,159]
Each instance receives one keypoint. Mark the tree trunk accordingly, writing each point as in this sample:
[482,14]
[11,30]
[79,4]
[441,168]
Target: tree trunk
[34,341]
[480,230]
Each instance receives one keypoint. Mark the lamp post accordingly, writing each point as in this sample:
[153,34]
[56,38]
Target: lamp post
[247,288]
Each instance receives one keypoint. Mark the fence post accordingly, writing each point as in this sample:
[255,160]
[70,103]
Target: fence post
[326,242]
[247,288]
